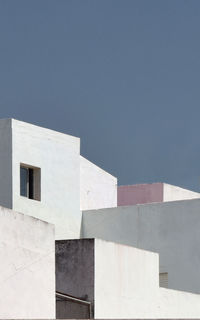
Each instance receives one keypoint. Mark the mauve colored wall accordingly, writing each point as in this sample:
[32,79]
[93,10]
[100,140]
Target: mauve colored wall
[139,193]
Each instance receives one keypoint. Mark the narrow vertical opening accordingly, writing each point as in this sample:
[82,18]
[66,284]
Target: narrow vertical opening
[31,183]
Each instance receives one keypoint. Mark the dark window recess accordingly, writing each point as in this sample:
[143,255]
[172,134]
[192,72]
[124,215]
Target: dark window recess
[24,182]
[30,182]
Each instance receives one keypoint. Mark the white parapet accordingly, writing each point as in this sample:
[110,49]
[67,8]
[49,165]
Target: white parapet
[174,193]
[27,268]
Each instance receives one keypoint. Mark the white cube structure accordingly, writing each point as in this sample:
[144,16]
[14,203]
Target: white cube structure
[27,267]
[54,160]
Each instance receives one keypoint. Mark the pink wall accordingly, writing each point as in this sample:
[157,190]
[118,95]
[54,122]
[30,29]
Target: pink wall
[139,193]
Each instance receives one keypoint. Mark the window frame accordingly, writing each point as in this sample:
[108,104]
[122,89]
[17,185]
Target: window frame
[32,185]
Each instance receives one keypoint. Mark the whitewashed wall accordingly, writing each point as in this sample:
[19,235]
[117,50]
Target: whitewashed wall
[174,193]
[27,267]
[126,281]
[178,304]
[58,156]
[98,188]
[126,286]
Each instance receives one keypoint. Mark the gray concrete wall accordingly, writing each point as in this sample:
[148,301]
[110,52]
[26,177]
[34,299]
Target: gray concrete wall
[27,267]
[171,229]
[75,268]
[71,310]
[5,163]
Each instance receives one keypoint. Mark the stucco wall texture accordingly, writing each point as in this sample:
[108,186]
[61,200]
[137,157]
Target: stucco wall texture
[75,268]
[75,274]
[27,268]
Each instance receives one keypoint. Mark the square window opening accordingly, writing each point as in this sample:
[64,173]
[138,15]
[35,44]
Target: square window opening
[30,182]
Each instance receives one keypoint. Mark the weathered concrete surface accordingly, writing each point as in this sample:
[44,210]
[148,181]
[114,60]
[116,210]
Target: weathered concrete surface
[170,228]
[71,310]
[75,269]
[98,188]
[27,268]
[58,156]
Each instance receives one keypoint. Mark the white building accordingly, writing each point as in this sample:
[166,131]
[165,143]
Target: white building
[43,176]
[42,173]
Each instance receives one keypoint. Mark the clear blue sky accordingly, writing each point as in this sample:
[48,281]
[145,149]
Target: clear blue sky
[124,76]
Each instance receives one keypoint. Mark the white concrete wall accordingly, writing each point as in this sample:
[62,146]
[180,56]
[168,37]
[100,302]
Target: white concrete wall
[98,188]
[126,286]
[57,155]
[174,193]
[27,267]
[169,228]
[126,281]
[5,163]
[178,304]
